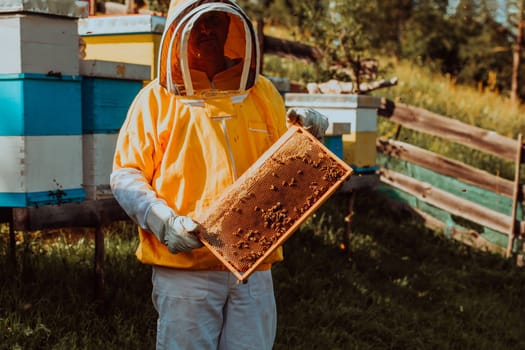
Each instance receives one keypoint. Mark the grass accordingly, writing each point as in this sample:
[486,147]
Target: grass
[419,87]
[399,286]
[48,299]
[396,286]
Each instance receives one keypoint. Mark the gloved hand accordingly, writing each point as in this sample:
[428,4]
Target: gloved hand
[310,119]
[176,232]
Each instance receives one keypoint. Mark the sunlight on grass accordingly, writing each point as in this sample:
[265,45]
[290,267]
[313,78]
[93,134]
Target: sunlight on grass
[48,299]
[440,94]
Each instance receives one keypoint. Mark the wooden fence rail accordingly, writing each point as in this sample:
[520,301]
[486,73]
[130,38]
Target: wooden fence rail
[442,190]
[430,123]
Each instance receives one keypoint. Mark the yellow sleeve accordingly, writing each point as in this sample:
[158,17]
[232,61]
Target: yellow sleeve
[136,143]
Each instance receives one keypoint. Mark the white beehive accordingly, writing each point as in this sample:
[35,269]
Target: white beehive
[40,104]
[352,129]
[40,170]
[39,37]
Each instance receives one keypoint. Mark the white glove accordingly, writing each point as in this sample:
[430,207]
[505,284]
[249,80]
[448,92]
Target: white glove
[310,119]
[176,232]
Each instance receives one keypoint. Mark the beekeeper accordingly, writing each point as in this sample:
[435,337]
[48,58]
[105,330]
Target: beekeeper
[188,135]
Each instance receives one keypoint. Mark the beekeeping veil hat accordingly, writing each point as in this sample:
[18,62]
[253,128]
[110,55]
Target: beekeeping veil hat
[241,44]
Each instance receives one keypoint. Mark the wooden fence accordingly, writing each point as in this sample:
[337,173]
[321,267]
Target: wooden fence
[467,203]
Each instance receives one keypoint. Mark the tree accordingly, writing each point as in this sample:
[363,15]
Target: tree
[481,45]
[437,44]
[395,14]
[343,32]
[516,55]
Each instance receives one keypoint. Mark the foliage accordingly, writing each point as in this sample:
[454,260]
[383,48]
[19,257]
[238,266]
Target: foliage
[484,50]
[290,69]
[332,27]
[439,49]
[471,42]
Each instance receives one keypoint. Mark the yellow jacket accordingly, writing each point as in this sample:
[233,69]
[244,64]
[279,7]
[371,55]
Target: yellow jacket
[186,139]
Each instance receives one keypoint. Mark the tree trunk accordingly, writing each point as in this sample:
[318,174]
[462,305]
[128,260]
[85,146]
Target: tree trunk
[516,59]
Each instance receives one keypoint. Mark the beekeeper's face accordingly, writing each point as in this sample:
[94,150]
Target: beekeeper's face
[208,36]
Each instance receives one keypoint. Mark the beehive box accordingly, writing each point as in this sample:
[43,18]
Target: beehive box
[269,202]
[352,130]
[36,43]
[131,39]
[37,104]
[40,170]
[108,89]
[40,139]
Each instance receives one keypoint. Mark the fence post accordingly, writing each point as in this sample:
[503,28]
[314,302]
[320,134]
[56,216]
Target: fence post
[515,196]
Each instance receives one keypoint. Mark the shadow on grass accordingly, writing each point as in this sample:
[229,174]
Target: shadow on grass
[396,285]
[48,300]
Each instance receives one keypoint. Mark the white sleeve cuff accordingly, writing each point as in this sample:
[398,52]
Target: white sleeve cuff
[157,217]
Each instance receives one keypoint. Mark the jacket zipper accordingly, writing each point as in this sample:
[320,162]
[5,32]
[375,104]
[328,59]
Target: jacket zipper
[228,145]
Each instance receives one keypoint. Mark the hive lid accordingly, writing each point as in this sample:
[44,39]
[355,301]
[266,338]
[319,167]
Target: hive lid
[130,24]
[297,99]
[269,202]
[67,8]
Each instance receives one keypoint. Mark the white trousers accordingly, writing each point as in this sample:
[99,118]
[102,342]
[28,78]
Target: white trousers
[204,310]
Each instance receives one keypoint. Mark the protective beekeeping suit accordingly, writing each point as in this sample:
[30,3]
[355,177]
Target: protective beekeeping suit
[189,134]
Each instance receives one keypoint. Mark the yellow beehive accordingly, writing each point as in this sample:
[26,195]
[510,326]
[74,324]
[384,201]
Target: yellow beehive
[352,130]
[130,39]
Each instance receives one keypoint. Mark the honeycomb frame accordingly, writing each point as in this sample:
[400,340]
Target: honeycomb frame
[268,203]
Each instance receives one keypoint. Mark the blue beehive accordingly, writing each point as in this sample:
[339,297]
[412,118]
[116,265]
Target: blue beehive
[41,131]
[35,104]
[108,89]
[105,103]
